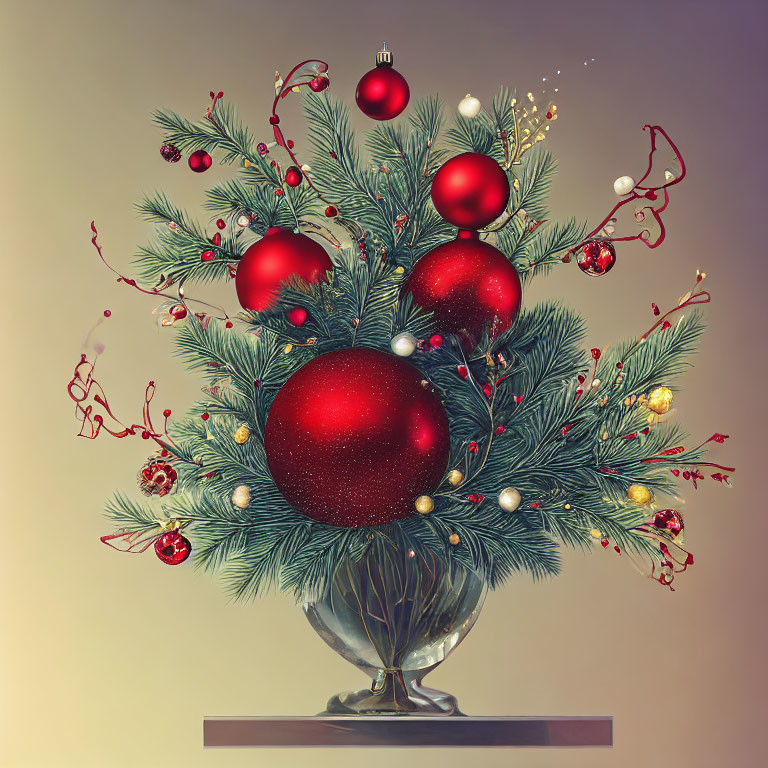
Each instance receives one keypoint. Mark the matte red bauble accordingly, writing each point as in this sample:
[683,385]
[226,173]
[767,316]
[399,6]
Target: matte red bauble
[293,176]
[470,190]
[469,286]
[382,93]
[173,548]
[278,256]
[354,439]
[596,257]
[200,161]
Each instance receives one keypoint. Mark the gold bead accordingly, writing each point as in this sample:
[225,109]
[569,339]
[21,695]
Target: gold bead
[567,506]
[595,534]
[242,433]
[424,505]
[639,494]
[399,270]
[455,476]
[509,499]
[454,539]
[241,496]
[659,400]
[288,348]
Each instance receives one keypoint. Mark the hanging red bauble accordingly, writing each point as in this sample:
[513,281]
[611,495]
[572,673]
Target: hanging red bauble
[173,548]
[596,257]
[170,153]
[354,439]
[319,83]
[293,176]
[470,190]
[469,286]
[382,93]
[669,520]
[278,256]
[156,478]
[200,161]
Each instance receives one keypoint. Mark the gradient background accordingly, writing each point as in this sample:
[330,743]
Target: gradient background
[114,660]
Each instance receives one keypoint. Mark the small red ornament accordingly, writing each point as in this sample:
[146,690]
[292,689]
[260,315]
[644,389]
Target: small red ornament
[167,412]
[596,257]
[293,176]
[331,211]
[173,548]
[470,190]
[178,311]
[220,223]
[297,316]
[274,119]
[353,438]
[436,341]
[382,93]
[468,285]
[216,239]
[319,83]
[278,256]
[475,498]
[156,478]
[669,520]
[207,256]
[200,161]
[107,313]
[170,153]
[205,416]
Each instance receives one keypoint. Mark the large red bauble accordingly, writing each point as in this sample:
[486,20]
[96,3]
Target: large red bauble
[353,438]
[470,190]
[173,548]
[382,93]
[469,285]
[278,256]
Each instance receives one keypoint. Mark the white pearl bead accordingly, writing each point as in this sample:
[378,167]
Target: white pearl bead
[241,496]
[509,499]
[623,185]
[404,344]
[469,106]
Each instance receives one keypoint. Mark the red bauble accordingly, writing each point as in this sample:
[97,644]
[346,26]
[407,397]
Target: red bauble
[293,176]
[173,548]
[669,520]
[382,93]
[354,439]
[469,286]
[319,83]
[156,478]
[279,255]
[596,257]
[200,161]
[297,316]
[470,190]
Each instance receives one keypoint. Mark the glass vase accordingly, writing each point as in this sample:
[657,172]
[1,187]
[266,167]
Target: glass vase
[396,614]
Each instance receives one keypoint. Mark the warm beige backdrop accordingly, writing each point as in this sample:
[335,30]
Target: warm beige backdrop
[111,660]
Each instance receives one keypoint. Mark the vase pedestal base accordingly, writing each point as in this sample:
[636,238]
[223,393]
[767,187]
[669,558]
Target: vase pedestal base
[407,731]
[393,694]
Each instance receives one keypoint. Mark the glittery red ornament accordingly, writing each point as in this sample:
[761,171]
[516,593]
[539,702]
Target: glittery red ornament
[331,211]
[293,176]
[156,478]
[382,93]
[279,255]
[173,548]
[596,257]
[470,190]
[178,311]
[669,520]
[170,153]
[353,438]
[468,285]
[200,161]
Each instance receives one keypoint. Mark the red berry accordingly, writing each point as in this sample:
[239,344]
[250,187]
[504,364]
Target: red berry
[178,311]
[595,353]
[319,83]
[293,176]
[167,412]
[145,435]
[488,390]
[220,223]
[290,143]
[207,255]
[206,416]
[297,316]
[462,371]
[331,211]
[107,313]
[216,239]
[500,429]
[278,192]
[229,324]
[436,341]
[274,119]
[476,498]
[472,447]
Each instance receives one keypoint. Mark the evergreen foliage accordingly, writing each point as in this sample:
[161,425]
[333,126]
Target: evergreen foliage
[551,448]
